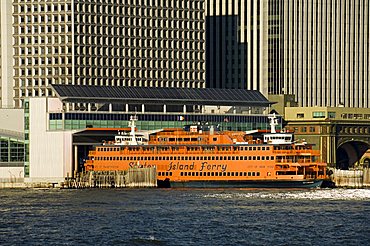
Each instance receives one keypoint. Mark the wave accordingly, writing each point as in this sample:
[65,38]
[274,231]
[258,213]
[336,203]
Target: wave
[318,194]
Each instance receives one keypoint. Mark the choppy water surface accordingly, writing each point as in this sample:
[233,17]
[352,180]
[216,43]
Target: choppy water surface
[185,217]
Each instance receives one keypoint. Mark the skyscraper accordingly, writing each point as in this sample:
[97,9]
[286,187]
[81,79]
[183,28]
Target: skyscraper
[242,47]
[315,50]
[154,43]
[6,55]
[325,52]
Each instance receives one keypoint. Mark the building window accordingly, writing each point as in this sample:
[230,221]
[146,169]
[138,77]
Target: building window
[300,115]
[331,115]
[318,114]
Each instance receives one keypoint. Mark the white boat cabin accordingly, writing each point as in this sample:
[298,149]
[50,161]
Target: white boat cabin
[131,138]
[274,137]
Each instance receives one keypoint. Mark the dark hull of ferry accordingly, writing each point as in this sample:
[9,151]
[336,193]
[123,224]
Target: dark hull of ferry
[243,184]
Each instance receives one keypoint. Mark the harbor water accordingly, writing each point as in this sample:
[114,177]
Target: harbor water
[185,217]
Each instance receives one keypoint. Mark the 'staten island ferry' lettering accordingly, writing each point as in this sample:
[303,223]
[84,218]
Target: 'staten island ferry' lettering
[201,156]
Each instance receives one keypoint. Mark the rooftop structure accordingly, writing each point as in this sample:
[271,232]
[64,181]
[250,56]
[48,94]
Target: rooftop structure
[185,96]
[108,107]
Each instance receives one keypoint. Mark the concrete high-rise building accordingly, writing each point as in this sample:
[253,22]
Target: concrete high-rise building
[325,51]
[242,44]
[153,43]
[6,55]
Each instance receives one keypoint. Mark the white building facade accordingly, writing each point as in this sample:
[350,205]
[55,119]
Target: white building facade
[50,152]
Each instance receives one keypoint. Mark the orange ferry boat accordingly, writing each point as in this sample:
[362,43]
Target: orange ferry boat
[204,157]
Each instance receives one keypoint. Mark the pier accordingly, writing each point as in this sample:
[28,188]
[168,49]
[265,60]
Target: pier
[131,178]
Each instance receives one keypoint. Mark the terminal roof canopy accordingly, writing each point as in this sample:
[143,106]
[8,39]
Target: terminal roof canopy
[154,95]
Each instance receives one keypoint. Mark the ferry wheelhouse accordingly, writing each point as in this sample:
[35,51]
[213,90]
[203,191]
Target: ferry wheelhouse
[211,158]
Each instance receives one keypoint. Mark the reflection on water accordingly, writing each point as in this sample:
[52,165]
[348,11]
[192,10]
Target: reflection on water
[185,217]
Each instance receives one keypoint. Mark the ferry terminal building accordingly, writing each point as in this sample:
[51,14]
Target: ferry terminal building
[59,132]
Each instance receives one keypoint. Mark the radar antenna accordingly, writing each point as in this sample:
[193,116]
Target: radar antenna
[132,124]
[273,122]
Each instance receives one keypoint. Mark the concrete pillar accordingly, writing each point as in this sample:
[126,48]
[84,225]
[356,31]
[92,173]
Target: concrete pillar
[63,120]
[142,108]
[126,108]
[184,109]
[165,108]
[75,168]
[89,107]
[110,108]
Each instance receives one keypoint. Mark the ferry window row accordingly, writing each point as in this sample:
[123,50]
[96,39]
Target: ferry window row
[219,174]
[229,148]
[186,158]
[109,149]
[164,173]
[255,148]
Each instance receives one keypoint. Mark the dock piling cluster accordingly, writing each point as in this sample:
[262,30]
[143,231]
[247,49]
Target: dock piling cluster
[132,178]
[359,178]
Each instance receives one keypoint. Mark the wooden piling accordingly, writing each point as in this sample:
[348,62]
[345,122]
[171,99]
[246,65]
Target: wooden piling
[366,178]
[348,178]
[132,178]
